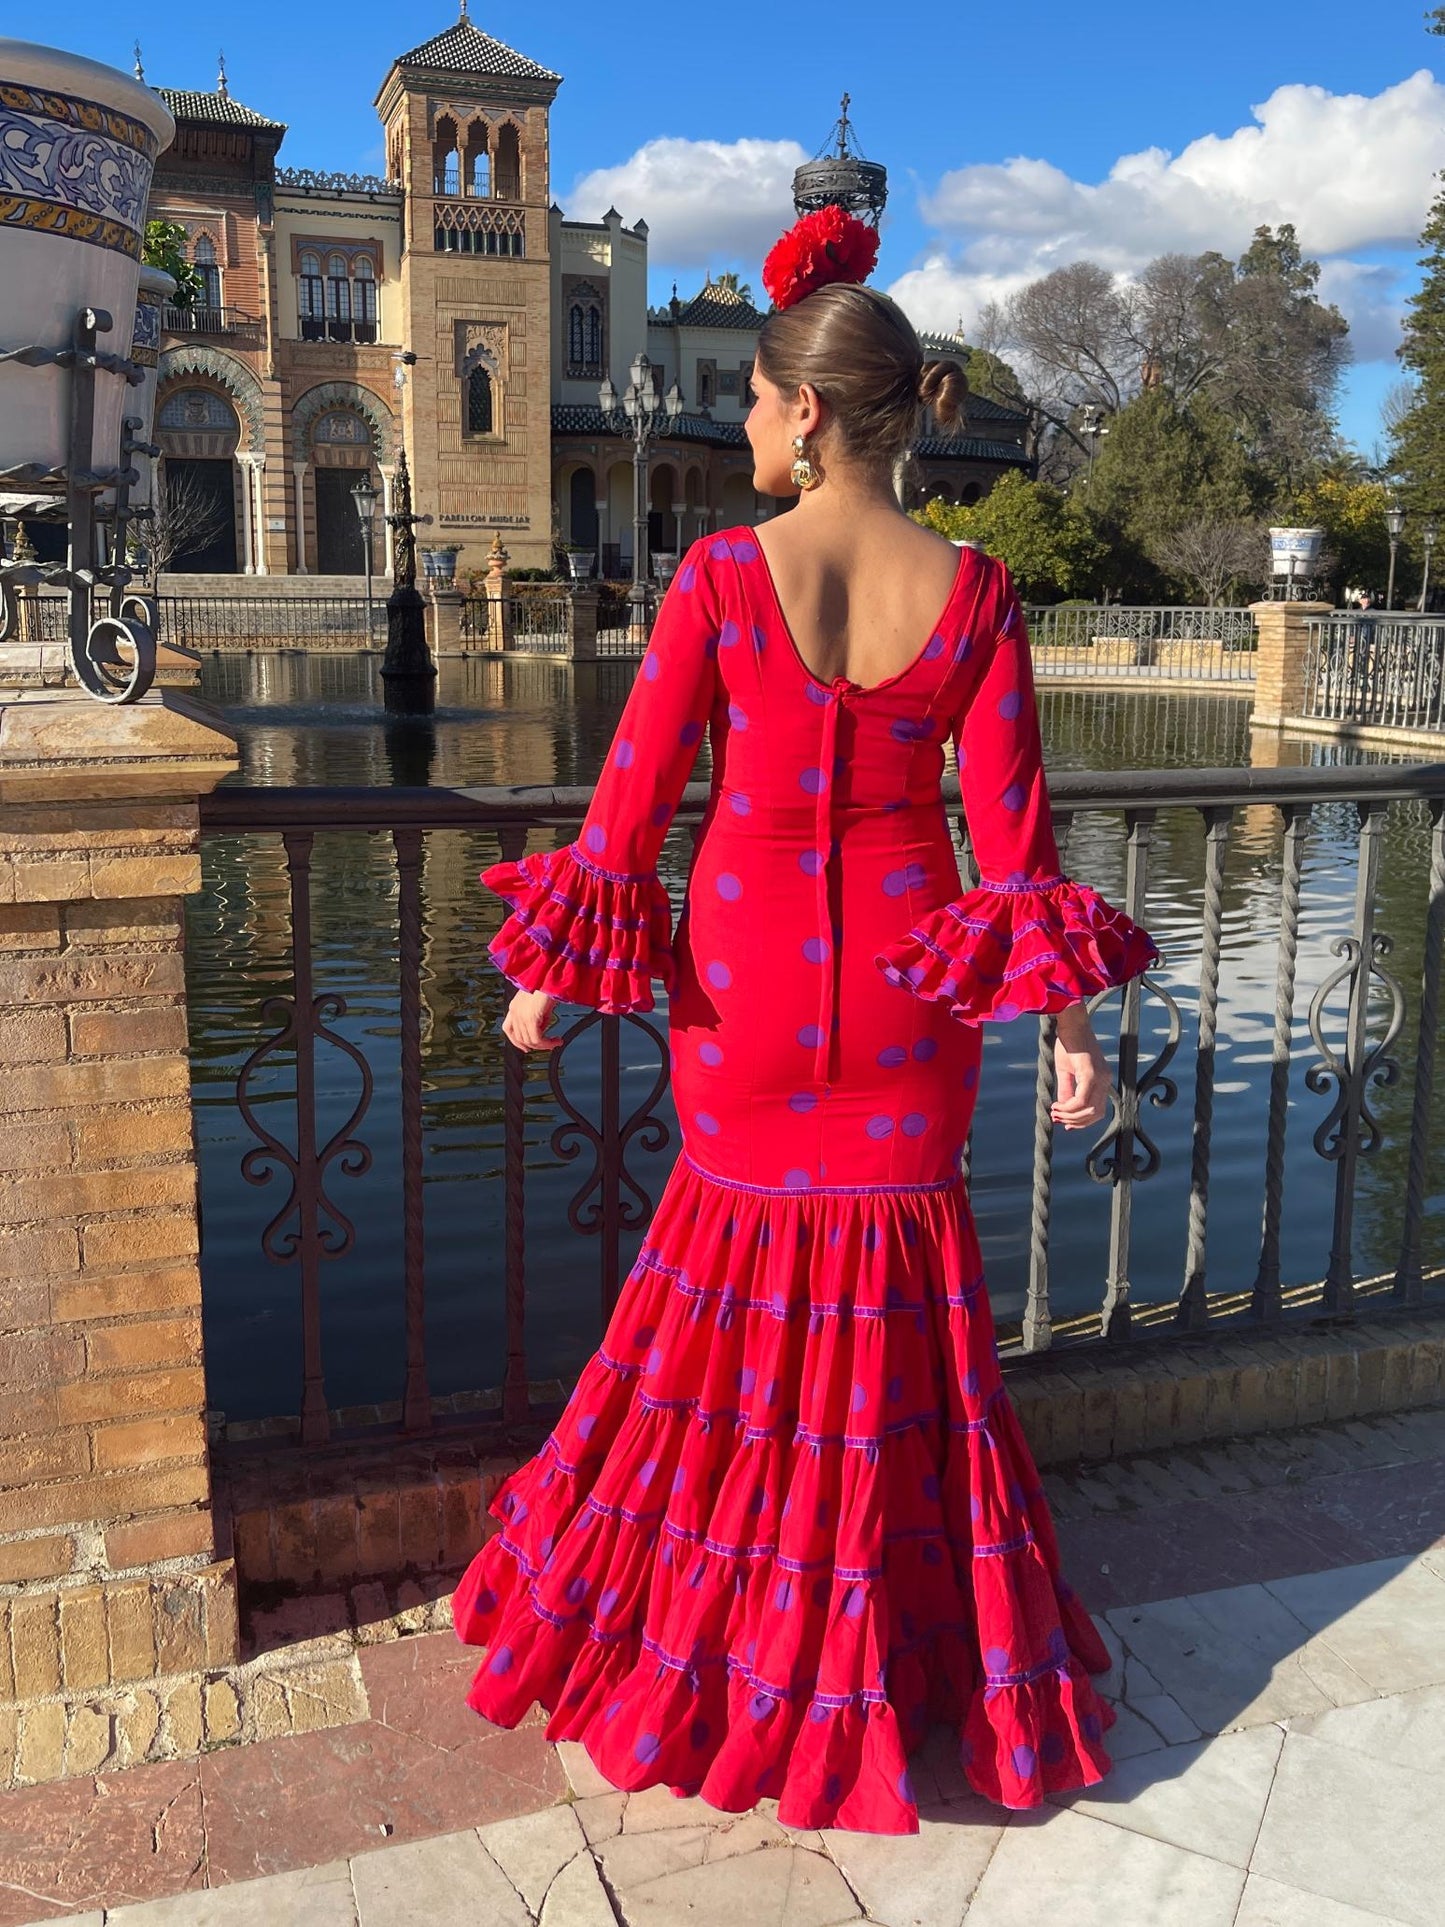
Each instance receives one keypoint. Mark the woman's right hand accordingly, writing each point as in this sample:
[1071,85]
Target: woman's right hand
[1080,1071]
[528,1016]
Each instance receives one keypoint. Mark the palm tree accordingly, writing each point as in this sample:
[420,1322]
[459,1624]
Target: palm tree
[731,282]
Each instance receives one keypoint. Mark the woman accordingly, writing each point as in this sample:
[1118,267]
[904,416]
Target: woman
[789,1516]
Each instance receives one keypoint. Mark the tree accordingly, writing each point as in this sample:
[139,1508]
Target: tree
[1351,511]
[1049,551]
[1161,468]
[730,281]
[1418,440]
[1213,555]
[184,517]
[164,247]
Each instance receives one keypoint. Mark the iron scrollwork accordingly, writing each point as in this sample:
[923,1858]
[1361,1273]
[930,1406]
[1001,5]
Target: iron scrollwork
[1350,1115]
[1104,1161]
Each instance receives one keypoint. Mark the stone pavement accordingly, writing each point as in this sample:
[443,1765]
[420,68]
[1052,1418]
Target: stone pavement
[1278,1755]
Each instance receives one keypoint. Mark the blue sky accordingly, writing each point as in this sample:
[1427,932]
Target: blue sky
[1016,137]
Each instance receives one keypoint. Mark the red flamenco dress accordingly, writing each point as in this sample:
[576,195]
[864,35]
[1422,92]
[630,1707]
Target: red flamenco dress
[788,1517]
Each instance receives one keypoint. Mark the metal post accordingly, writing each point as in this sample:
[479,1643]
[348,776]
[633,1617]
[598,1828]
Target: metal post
[1390,587]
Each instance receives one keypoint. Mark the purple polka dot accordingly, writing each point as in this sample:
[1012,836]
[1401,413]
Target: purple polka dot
[718,974]
[608,1600]
[576,1591]
[962,648]
[679,1480]
[613,1710]
[729,887]
[1092,1726]
[911,876]
[651,667]
[892,1055]
[970,1076]
[747,1378]
[623,753]
[486,1600]
[739,804]
[854,1602]
[698,1735]
[783,1597]
[796,1180]
[705,1121]
[689,734]
[970,1381]
[802,1102]
[833,1785]
[737,716]
[647,1748]
[661,813]
[654,1362]
[817,696]
[932,1488]
[810,1036]
[821,1516]
[975,1507]
[879,1126]
[727,636]
[895,1388]
[860,1397]
[596,838]
[709,1052]
[501,1660]
[1010,705]
[815,950]
[933,648]
[910,729]
[905,1787]
[586,1425]
[687,578]
[644,1336]
[814,781]
[914,1124]
[760,637]
[759,1706]
[811,862]
[1006,1011]
[648,1472]
[1025,1762]
[1015,796]
[996,1660]
[745,551]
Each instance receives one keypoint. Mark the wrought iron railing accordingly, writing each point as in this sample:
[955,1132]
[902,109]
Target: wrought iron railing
[1386,670]
[208,321]
[1192,645]
[1361,1022]
[275,622]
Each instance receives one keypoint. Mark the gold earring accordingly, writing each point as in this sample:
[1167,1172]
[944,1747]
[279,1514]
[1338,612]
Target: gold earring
[805,476]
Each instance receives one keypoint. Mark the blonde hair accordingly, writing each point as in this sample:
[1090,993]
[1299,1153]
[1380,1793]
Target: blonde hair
[861,353]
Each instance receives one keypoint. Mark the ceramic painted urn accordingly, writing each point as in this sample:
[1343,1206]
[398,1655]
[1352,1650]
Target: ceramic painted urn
[78,147]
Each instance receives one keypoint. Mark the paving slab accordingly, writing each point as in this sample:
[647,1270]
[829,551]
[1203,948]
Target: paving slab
[1269,1903]
[600,1815]
[1208,1796]
[1054,1865]
[1406,1729]
[448,1882]
[577,1897]
[583,1778]
[775,1887]
[76,1844]
[1344,1826]
[635,1859]
[534,1848]
[1383,1619]
[310,1897]
[918,1880]
[1219,1681]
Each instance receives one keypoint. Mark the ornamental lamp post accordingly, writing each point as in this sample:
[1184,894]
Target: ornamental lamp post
[643,413]
[1093,425]
[1394,528]
[365,497]
[1429,531]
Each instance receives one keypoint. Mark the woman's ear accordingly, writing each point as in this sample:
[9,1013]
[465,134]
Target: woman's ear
[809,407]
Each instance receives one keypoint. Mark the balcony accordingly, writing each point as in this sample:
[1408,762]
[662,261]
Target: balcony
[208,321]
[320,328]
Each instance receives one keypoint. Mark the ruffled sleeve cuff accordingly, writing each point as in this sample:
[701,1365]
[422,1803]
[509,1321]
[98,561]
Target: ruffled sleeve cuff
[581,933]
[1007,948]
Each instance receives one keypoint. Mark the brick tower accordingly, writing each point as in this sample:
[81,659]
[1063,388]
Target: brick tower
[466,122]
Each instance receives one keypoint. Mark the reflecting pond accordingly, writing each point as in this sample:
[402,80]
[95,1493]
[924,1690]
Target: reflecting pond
[318,720]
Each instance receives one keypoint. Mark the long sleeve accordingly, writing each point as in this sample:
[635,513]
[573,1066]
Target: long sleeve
[591,924]
[1028,938]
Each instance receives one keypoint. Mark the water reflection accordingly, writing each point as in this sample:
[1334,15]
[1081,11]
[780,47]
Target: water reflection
[318,720]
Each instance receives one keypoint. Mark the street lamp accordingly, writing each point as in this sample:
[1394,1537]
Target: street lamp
[1093,425]
[365,497]
[1395,528]
[1428,533]
[643,413]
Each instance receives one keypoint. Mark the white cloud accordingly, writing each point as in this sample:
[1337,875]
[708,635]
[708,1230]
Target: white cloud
[705,202]
[1353,172]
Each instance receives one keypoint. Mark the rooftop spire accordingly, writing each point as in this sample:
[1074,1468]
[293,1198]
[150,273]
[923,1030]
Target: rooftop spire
[140,72]
[223,86]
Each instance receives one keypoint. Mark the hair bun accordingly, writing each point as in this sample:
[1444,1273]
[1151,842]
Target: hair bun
[943,387]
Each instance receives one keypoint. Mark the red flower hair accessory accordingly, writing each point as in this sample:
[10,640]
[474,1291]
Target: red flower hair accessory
[828,245]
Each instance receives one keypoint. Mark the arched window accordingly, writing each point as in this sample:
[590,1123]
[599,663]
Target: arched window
[576,335]
[507,185]
[446,161]
[479,402]
[452,173]
[204,257]
[338,296]
[312,297]
[594,338]
[480,183]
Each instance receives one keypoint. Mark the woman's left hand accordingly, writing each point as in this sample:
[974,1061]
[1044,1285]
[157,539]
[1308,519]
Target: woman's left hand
[528,1016]
[1080,1071]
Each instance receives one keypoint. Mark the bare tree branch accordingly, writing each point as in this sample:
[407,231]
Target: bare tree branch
[185,517]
